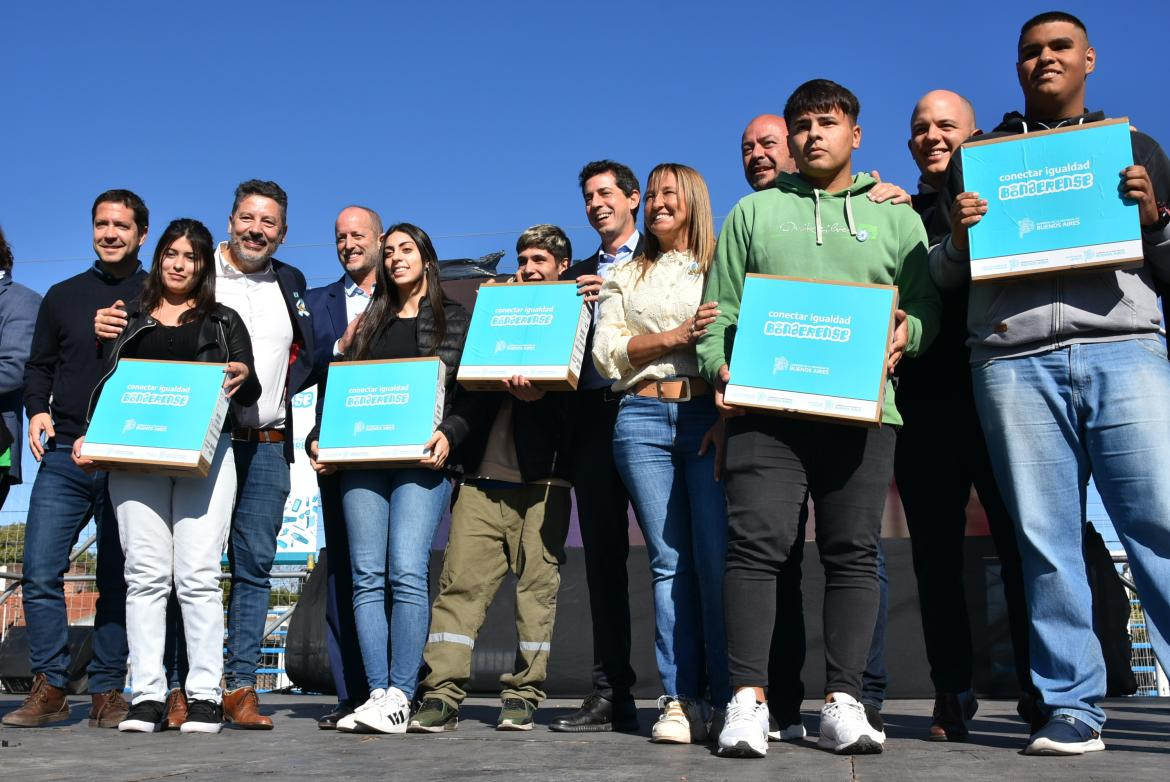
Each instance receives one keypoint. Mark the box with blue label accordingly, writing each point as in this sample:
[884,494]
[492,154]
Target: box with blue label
[381,412]
[161,417]
[534,329]
[1053,201]
[812,348]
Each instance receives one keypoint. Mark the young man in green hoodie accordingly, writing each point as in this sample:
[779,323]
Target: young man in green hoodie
[815,224]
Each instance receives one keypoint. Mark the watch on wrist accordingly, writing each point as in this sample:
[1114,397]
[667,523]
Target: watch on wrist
[1162,221]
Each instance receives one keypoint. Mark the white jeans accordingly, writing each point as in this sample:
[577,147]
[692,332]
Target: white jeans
[175,529]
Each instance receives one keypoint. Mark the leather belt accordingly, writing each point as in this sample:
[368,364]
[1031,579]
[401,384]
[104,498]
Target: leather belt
[680,389]
[245,435]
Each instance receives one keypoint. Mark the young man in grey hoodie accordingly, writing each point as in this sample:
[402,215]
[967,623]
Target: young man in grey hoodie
[1071,380]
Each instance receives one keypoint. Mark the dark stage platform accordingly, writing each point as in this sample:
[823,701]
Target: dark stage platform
[1136,736]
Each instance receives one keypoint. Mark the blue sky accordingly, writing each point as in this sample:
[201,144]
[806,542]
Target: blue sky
[471,119]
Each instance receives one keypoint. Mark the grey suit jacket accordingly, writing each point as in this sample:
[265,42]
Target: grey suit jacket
[18,315]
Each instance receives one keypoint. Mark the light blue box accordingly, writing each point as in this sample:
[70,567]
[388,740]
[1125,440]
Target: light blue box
[812,348]
[1053,201]
[161,417]
[534,329]
[381,412]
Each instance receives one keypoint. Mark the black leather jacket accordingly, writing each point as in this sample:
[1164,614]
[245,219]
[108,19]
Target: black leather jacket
[222,338]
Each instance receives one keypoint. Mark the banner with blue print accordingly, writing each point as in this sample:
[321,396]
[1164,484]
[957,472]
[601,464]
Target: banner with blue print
[158,416]
[1054,201]
[812,347]
[381,411]
[534,329]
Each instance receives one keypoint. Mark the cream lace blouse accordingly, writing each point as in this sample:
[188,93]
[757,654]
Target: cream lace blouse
[631,305]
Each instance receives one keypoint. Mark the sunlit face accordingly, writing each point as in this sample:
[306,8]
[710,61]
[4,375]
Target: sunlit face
[764,151]
[940,124]
[1054,59]
[666,210]
[608,209]
[255,230]
[180,267]
[358,244]
[538,265]
[116,237]
[403,261]
[822,143]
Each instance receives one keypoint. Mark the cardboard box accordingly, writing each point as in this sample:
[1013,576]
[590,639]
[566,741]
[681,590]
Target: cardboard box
[381,412]
[812,348]
[162,417]
[534,329]
[1053,201]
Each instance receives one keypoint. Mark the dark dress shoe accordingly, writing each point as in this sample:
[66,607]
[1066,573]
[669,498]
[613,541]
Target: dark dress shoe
[950,717]
[329,721]
[599,714]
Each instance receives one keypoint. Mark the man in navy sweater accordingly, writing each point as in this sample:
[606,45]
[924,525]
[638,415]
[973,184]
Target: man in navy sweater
[63,369]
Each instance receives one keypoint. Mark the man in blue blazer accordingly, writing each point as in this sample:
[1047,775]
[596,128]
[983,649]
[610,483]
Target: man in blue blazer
[358,232]
[18,315]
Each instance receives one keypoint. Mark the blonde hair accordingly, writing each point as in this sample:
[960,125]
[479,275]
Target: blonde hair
[700,230]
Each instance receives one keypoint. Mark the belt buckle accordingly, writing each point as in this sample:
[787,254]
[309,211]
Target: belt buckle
[686,395]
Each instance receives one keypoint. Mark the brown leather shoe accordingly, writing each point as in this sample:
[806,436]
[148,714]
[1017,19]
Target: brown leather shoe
[107,709]
[45,704]
[241,707]
[951,712]
[176,713]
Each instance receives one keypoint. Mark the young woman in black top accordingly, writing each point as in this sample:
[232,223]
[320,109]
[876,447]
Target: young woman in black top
[173,530]
[391,515]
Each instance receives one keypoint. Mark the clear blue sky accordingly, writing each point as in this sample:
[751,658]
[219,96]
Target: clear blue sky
[472,119]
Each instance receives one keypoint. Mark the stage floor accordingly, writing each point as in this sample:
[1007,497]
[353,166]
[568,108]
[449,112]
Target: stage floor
[1137,737]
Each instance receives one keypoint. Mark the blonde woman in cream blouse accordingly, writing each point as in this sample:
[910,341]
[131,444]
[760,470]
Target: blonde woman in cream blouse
[650,320]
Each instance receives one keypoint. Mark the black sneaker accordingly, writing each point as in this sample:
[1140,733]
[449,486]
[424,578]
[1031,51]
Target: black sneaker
[873,716]
[144,717]
[203,717]
[516,714]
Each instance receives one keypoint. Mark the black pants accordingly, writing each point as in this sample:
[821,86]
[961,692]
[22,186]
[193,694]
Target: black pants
[940,455]
[602,511]
[345,656]
[774,465]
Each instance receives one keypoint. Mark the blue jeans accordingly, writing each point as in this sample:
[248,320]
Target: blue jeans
[391,517]
[62,500]
[1051,421]
[262,488]
[683,514]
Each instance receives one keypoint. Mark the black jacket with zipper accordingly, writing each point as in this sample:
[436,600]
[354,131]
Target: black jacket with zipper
[223,337]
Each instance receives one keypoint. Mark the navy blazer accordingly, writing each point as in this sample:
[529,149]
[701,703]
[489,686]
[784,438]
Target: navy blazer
[18,315]
[301,355]
[327,304]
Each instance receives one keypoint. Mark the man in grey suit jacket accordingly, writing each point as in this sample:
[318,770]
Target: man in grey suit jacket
[18,315]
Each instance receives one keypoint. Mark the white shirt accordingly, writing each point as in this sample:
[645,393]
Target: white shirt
[356,301]
[606,263]
[257,299]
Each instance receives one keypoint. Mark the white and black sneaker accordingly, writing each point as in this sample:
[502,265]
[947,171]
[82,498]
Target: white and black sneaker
[389,713]
[348,723]
[745,728]
[143,717]
[793,732]
[845,728]
[203,717]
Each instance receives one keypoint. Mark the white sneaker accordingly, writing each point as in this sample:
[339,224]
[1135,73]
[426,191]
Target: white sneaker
[793,732]
[745,730]
[388,714]
[845,729]
[348,723]
[682,721]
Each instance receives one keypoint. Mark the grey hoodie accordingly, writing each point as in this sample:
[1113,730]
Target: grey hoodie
[1035,314]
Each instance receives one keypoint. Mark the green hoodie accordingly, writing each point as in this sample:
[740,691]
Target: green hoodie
[795,230]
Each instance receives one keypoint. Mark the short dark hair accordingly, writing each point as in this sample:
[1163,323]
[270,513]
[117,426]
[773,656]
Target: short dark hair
[262,187]
[128,199]
[820,95]
[197,234]
[626,181]
[1052,16]
[5,253]
[549,238]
